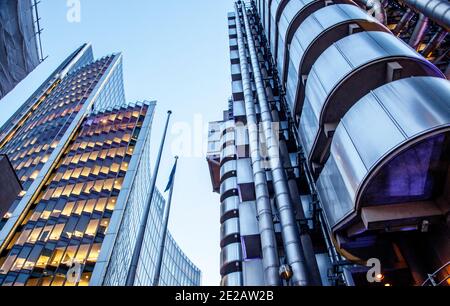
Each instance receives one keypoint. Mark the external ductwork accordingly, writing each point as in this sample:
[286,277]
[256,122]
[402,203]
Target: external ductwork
[419,31]
[289,229]
[263,205]
[436,10]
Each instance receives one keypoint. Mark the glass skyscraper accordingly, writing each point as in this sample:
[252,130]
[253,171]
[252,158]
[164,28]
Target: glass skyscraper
[333,152]
[82,156]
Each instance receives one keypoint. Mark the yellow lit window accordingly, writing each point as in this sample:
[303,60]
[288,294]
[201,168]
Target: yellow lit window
[68,190]
[44,159]
[76,173]
[101,204]
[98,186]
[118,183]
[95,251]
[57,256]
[34,175]
[76,159]
[69,255]
[121,151]
[42,261]
[94,155]
[104,170]
[124,167]
[79,207]
[58,281]
[54,144]
[112,153]
[57,231]
[86,171]
[67,174]
[48,194]
[103,154]
[85,279]
[115,168]
[88,187]
[92,228]
[109,184]
[111,203]
[126,137]
[57,192]
[45,214]
[83,145]
[89,208]
[23,237]
[78,188]
[82,253]
[68,209]
[85,157]
[96,170]
[34,235]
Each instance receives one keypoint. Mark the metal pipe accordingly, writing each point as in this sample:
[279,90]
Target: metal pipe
[435,42]
[406,18]
[419,31]
[289,229]
[165,226]
[436,10]
[305,238]
[375,8]
[131,276]
[266,228]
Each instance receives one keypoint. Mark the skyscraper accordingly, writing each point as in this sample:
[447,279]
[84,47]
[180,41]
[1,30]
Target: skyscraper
[20,50]
[82,156]
[332,157]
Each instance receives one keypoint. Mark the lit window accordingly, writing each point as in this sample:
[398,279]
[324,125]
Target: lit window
[118,183]
[77,189]
[92,228]
[111,203]
[101,203]
[89,208]
[68,209]
[79,207]
[57,231]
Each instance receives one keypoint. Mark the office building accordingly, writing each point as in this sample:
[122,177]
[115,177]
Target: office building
[332,157]
[82,156]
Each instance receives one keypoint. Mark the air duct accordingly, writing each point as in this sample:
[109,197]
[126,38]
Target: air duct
[435,42]
[263,205]
[289,229]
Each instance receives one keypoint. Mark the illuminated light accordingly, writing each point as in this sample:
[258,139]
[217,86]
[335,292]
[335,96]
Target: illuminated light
[387,285]
[380,276]
[7,215]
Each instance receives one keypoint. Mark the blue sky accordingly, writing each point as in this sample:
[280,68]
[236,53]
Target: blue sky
[175,52]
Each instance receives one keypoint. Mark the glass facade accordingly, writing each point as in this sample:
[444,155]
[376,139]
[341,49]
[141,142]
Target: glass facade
[83,157]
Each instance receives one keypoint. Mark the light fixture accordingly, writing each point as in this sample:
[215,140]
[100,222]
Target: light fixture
[387,285]
[380,277]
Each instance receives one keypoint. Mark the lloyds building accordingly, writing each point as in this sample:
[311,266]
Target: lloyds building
[75,179]
[334,150]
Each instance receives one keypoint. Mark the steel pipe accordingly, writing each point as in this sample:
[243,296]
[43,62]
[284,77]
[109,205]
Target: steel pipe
[289,229]
[406,18]
[435,42]
[376,9]
[266,227]
[419,31]
[436,10]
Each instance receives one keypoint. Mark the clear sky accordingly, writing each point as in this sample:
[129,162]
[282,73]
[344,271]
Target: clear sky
[175,52]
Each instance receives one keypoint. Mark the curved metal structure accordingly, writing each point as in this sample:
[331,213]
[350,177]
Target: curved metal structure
[263,204]
[381,175]
[379,59]
[317,32]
